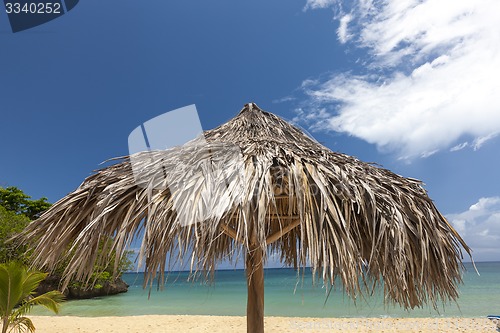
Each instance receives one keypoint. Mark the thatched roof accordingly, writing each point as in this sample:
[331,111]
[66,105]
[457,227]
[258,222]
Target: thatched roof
[259,181]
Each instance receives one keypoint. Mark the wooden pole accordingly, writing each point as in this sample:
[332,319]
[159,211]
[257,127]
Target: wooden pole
[255,285]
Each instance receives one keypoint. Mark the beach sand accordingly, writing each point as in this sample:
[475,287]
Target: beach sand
[181,324]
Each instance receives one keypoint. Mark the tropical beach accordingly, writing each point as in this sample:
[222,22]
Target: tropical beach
[252,188]
[221,324]
[287,295]
[370,249]
[185,306]
[158,173]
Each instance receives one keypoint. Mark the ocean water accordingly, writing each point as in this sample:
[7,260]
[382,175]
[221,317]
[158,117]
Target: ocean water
[285,295]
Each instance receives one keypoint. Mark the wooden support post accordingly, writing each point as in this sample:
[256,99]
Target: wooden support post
[255,285]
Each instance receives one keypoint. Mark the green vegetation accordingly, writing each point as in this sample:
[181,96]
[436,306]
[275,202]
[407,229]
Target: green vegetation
[17,288]
[18,202]
[11,224]
[101,275]
[16,211]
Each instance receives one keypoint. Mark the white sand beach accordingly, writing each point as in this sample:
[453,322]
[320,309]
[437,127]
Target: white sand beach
[226,324]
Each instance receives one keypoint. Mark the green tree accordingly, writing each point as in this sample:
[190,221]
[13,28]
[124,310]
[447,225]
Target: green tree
[16,211]
[17,287]
[15,200]
[102,274]
[10,225]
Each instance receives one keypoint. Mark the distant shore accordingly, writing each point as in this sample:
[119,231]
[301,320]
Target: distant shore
[229,324]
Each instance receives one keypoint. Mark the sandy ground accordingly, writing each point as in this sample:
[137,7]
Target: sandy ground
[181,324]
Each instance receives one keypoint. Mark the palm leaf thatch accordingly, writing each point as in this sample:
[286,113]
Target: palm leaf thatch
[256,185]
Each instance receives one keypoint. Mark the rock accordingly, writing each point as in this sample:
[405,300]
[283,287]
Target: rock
[108,288]
[52,282]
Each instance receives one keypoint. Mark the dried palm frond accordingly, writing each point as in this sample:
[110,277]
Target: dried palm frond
[258,182]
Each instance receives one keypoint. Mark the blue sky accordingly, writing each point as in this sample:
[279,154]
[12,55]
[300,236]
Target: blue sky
[411,85]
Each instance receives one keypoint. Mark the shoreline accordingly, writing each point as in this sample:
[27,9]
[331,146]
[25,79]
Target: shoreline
[230,324]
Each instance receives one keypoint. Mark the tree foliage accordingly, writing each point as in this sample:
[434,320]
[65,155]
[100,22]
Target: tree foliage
[16,211]
[10,225]
[17,288]
[15,200]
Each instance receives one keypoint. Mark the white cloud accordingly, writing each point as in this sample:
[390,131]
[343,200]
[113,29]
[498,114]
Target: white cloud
[459,226]
[284,99]
[480,141]
[314,4]
[476,144]
[484,204]
[480,228]
[343,30]
[440,61]
[460,146]
[311,118]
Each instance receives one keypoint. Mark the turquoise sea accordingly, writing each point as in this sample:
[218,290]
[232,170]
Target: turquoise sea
[285,295]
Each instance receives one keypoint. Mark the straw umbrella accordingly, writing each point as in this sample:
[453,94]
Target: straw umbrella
[253,186]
